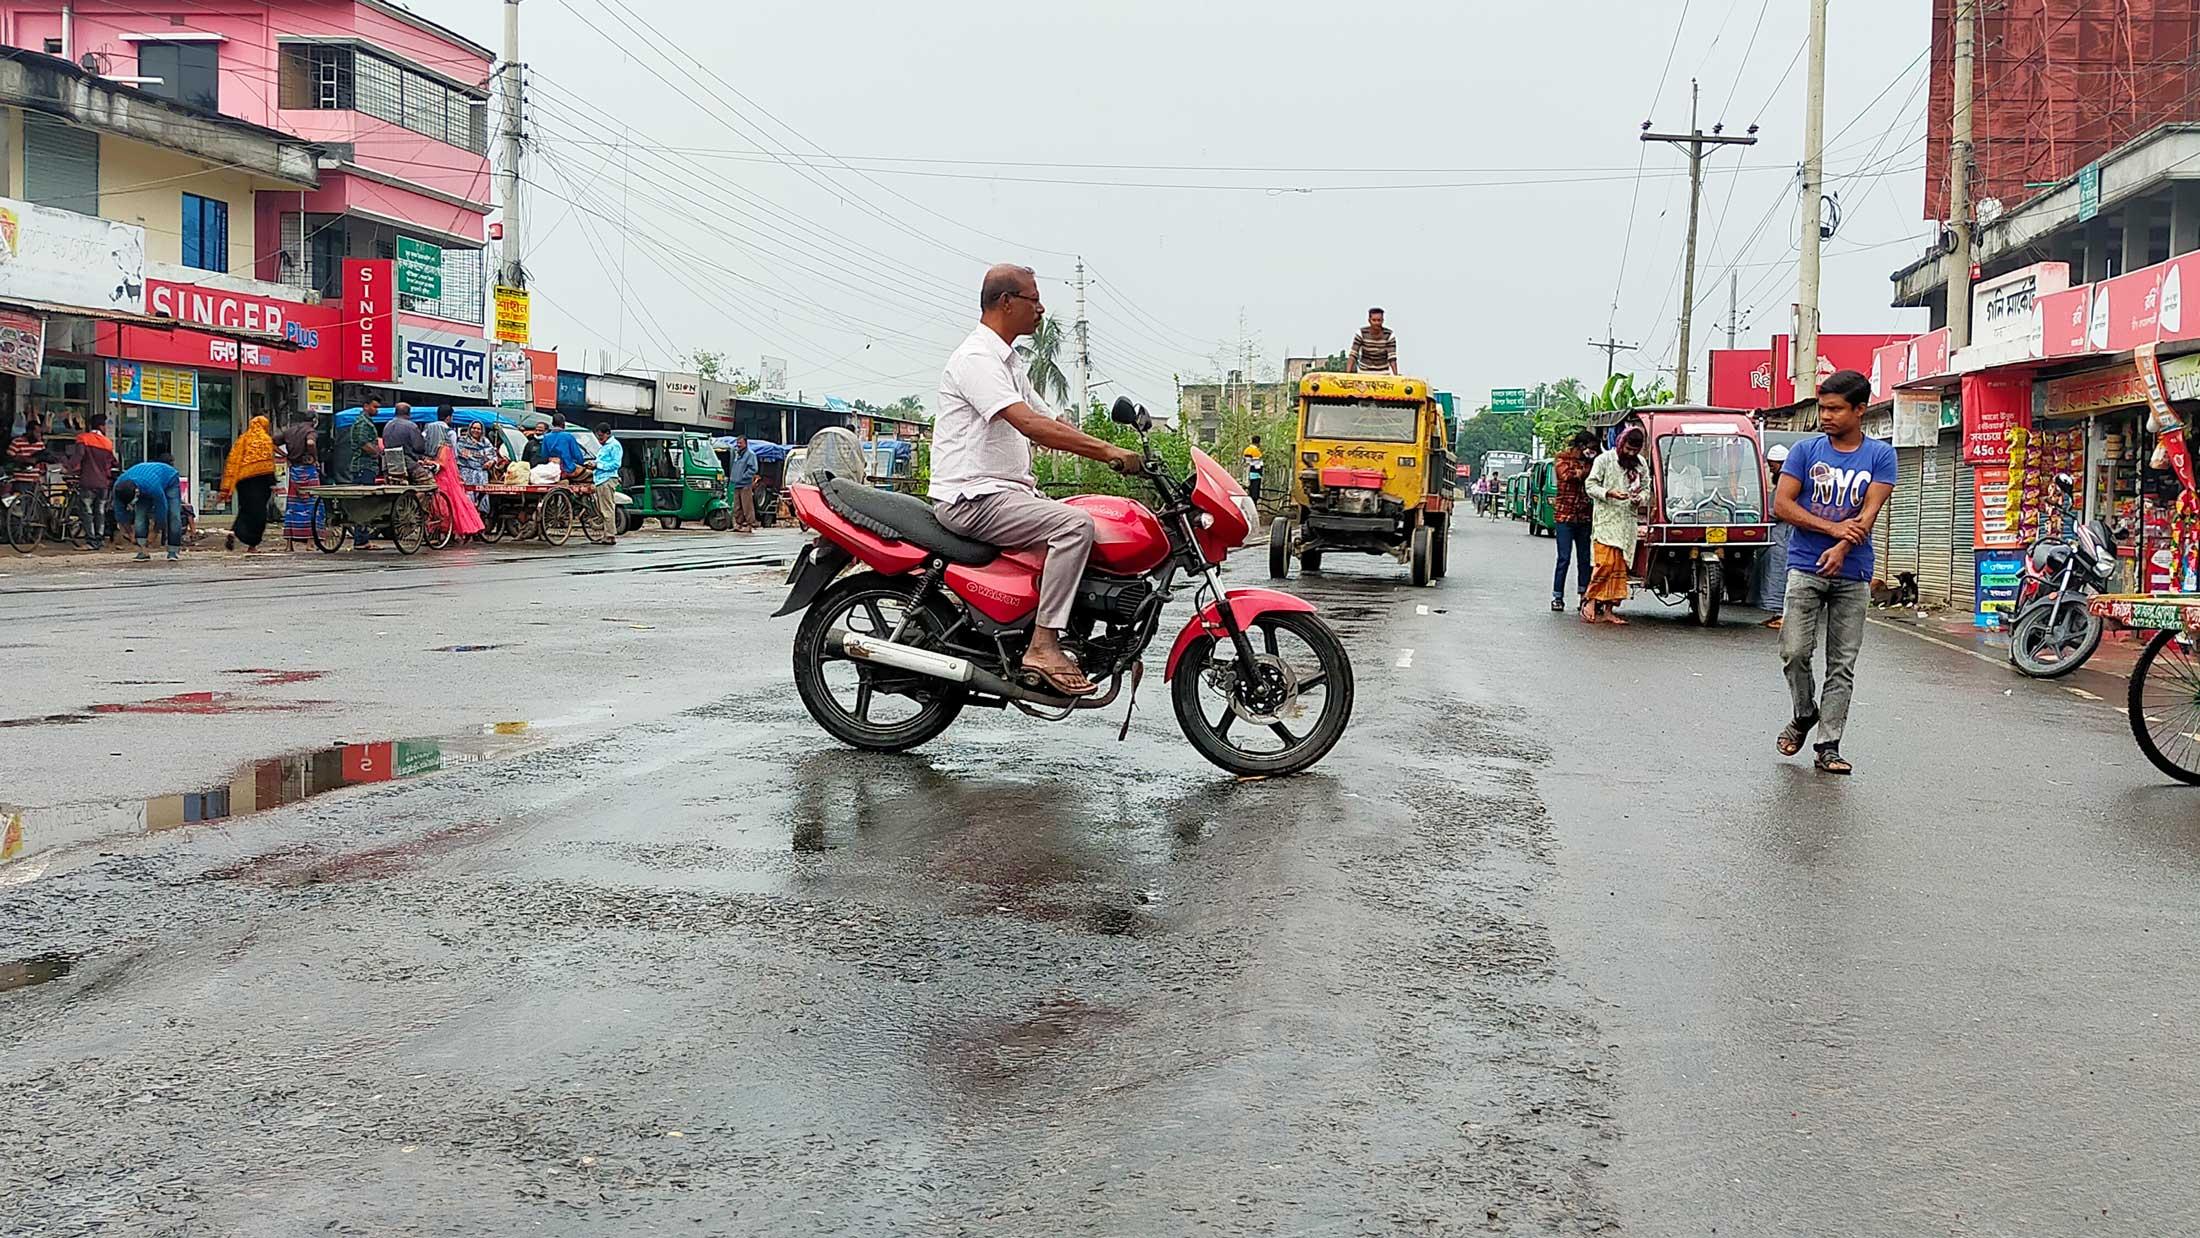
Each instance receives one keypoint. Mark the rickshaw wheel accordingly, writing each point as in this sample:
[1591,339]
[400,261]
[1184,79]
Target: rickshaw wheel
[492,526]
[1279,548]
[719,521]
[442,522]
[593,526]
[327,538]
[408,524]
[557,517]
[1421,555]
[1710,591]
[2163,704]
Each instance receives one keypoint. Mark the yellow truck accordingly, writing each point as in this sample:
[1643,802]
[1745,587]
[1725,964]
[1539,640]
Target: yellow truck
[1372,474]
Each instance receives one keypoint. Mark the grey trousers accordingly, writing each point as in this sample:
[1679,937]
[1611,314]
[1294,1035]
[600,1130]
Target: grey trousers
[1014,520]
[1833,610]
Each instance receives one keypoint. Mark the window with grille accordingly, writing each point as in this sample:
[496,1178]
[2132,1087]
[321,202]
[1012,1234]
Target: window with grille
[337,78]
[463,288]
[377,86]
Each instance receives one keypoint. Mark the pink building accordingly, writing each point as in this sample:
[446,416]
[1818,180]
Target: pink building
[398,104]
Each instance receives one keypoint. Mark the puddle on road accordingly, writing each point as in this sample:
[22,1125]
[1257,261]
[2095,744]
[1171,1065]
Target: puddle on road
[466,648]
[38,969]
[1062,1026]
[183,703]
[272,678]
[32,837]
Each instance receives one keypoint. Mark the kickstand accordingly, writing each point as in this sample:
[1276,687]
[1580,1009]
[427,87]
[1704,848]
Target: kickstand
[1138,672]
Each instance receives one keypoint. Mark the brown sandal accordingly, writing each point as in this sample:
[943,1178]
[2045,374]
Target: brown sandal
[1064,682]
[1798,730]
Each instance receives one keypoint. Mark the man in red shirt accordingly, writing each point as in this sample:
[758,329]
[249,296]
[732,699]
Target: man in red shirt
[1570,515]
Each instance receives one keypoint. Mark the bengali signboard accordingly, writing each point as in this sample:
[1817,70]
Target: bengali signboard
[2000,574]
[22,343]
[511,382]
[1993,404]
[1916,418]
[1994,525]
[132,382]
[511,315]
[543,363]
[2005,317]
[308,332]
[69,259]
[419,269]
[320,395]
[443,362]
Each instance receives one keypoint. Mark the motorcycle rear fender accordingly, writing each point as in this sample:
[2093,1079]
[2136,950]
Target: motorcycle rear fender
[1246,605]
[819,564]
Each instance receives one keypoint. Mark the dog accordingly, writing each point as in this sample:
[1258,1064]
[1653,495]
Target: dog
[1903,592]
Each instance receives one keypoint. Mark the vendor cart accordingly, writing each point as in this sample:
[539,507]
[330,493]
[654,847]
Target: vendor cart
[2163,700]
[411,516]
[552,512]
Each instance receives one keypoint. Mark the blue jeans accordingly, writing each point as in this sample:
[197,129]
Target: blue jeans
[1573,542]
[141,510]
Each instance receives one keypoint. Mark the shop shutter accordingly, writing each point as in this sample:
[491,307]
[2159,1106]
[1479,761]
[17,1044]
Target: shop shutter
[1902,510]
[60,164]
[1935,523]
[1963,530]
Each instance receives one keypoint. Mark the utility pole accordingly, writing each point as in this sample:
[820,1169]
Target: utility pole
[1612,348]
[1805,361]
[1695,140]
[1960,152]
[1733,304]
[512,274]
[1084,350]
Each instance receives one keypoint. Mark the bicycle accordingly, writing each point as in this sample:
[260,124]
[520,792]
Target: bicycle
[27,518]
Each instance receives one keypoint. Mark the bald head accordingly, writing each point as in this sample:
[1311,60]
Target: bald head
[1002,281]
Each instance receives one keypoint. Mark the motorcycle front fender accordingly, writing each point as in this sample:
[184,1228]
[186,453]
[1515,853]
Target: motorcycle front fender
[1245,606]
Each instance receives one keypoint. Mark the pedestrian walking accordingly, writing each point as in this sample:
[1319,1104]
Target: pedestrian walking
[1618,487]
[298,450]
[249,475]
[743,481]
[1572,517]
[1772,565]
[150,495]
[1253,465]
[1374,347]
[92,466]
[610,454]
[1832,486]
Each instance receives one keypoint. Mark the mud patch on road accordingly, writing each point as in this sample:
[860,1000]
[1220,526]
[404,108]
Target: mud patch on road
[36,970]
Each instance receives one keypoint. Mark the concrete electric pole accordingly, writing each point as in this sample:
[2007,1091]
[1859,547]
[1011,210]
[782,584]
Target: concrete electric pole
[1733,304]
[1804,364]
[1612,348]
[1694,141]
[1960,153]
[1084,350]
[511,273]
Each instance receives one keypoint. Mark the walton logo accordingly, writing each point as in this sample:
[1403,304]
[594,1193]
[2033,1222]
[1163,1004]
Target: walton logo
[1837,488]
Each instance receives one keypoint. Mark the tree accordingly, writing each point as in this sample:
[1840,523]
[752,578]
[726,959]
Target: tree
[1488,431]
[708,362]
[910,407]
[1043,353]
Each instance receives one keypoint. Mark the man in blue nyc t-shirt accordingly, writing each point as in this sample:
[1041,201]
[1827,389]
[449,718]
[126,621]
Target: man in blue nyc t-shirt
[1831,490]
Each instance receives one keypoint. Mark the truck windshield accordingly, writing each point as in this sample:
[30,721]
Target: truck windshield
[1711,479]
[1366,421]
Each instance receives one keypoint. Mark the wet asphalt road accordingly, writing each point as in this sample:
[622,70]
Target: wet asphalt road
[619,944]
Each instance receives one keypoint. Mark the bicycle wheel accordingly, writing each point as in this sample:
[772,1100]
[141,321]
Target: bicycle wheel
[27,519]
[442,523]
[558,517]
[408,523]
[592,523]
[329,530]
[2164,706]
[493,527]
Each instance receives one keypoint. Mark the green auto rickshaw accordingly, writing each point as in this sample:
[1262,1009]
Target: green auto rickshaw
[675,476]
[1543,499]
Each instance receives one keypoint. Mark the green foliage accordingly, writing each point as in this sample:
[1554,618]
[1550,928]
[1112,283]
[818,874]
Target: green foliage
[1043,351]
[1488,431]
[708,362]
[1060,473]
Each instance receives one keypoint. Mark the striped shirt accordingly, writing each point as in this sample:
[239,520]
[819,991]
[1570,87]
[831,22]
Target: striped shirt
[1375,350]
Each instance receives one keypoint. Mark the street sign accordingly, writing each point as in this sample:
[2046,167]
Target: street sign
[1508,399]
[419,269]
[511,315]
[2089,191]
[320,395]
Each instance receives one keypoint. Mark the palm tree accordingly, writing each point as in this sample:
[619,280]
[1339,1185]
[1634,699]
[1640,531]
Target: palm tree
[1042,352]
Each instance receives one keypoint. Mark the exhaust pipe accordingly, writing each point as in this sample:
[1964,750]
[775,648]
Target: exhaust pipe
[946,666]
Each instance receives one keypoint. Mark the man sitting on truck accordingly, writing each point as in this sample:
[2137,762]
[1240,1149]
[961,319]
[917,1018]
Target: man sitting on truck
[1374,347]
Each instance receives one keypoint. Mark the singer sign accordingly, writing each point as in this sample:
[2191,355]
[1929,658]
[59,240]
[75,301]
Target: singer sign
[370,320]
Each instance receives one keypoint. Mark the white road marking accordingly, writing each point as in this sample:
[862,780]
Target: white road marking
[1420,610]
[1934,640]
[1405,658]
[2081,693]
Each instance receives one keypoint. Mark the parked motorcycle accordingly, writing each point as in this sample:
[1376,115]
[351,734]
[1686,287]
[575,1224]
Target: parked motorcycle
[886,658]
[2055,632]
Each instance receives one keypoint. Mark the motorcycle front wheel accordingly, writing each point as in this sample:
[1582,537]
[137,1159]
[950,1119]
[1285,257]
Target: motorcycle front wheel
[863,704]
[1283,718]
[2047,646]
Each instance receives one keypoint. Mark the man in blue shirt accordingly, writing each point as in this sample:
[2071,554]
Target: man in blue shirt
[561,446]
[606,479]
[743,482]
[1831,489]
[148,493]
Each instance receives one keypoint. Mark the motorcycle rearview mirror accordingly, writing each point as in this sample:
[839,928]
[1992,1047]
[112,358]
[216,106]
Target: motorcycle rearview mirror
[1142,421]
[1124,412]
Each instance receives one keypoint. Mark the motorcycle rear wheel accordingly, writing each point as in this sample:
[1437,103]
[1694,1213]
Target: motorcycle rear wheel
[1299,651]
[844,695]
[2042,653]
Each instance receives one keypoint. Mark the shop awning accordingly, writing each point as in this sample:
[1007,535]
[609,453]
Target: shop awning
[124,318]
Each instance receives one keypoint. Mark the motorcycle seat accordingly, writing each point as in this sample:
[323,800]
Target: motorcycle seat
[901,518]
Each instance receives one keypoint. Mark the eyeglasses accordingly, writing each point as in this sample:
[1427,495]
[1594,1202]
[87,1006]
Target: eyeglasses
[1032,297]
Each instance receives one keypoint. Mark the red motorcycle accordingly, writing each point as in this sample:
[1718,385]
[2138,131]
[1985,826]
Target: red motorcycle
[886,658]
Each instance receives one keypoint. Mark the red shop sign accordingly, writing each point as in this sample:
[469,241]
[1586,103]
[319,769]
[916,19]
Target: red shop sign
[1992,405]
[309,331]
[2062,321]
[369,323]
[545,363]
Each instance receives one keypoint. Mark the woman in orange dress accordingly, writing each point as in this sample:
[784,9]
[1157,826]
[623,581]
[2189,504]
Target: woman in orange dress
[1619,492]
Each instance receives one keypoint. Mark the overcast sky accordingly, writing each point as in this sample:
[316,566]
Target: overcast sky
[1470,166]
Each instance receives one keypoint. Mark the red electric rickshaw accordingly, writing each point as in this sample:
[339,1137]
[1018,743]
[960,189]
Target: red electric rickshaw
[1710,512]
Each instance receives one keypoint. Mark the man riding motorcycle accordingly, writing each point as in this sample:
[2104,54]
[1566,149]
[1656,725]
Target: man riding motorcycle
[982,483]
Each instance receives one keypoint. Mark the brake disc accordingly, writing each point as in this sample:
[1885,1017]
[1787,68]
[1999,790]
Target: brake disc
[1224,678]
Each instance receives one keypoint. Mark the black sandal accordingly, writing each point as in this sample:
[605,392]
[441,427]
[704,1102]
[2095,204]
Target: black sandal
[1798,730]
[1830,760]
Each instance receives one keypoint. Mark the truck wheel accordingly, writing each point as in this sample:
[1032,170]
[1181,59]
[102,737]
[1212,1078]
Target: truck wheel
[1279,548]
[1441,562]
[1422,555]
[1310,561]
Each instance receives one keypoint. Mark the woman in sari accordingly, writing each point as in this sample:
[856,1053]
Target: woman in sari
[1619,489]
[250,476]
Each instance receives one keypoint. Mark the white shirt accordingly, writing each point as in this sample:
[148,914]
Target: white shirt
[974,452]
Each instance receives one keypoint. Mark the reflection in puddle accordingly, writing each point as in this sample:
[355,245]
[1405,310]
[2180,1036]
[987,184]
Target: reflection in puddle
[257,787]
[182,703]
[272,678]
[38,969]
